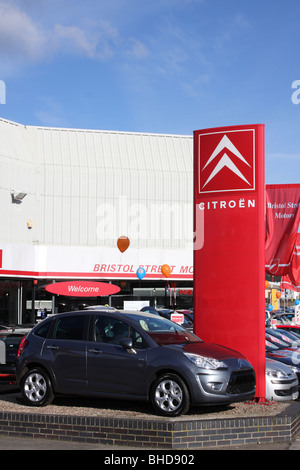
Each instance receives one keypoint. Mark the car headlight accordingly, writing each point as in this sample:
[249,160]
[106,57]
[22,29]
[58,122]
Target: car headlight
[295,369]
[276,374]
[205,362]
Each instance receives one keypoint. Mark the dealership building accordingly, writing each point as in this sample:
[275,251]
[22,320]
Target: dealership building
[68,195]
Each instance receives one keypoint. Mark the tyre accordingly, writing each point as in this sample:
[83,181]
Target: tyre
[169,395]
[36,388]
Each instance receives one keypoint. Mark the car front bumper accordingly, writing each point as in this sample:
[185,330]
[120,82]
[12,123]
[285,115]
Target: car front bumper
[224,387]
[282,390]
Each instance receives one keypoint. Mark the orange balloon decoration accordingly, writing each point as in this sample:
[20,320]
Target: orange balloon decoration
[266,284]
[123,243]
[166,270]
[278,295]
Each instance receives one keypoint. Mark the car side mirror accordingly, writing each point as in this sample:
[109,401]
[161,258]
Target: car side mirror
[127,344]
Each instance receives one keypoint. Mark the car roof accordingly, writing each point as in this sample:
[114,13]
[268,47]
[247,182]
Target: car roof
[288,325]
[106,312]
[20,331]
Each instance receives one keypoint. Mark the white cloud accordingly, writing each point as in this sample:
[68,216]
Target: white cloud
[24,40]
[70,39]
[20,38]
[137,49]
[95,43]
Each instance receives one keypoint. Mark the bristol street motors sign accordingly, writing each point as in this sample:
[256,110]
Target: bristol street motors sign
[229,263]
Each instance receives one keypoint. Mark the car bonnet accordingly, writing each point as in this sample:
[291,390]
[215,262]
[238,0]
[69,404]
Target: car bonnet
[210,350]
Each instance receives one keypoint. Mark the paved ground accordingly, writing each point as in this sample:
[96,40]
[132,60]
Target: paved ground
[14,443]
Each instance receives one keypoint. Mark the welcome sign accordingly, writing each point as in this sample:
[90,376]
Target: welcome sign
[82,288]
[229,268]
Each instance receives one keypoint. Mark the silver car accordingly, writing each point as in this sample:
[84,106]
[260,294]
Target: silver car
[281,382]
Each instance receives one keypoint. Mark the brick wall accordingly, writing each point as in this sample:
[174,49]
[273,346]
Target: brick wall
[176,433]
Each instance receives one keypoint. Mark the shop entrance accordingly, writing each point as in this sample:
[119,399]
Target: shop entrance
[13,301]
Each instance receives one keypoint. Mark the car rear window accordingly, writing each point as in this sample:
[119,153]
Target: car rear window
[11,341]
[43,329]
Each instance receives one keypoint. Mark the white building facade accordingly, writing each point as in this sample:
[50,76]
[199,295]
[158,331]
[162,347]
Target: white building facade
[67,195]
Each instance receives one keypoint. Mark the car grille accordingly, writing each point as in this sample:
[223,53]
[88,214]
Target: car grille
[241,382]
[286,393]
[282,382]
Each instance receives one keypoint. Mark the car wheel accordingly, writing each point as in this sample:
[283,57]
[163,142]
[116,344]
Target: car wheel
[169,395]
[36,388]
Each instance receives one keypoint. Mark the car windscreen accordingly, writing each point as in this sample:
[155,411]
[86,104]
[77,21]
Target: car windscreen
[279,342]
[292,333]
[287,336]
[164,331]
[271,347]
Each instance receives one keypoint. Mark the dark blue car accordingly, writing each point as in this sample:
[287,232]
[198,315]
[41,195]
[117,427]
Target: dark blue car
[130,355]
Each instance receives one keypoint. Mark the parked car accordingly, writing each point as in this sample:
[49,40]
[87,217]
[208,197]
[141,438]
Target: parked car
[9,346]
[188,315]
[149,309]
[130,355]
[293,328]
[282,383]
[278,341]
[167,313]
[5,328]
[286,336]
[280,317]
[290,357]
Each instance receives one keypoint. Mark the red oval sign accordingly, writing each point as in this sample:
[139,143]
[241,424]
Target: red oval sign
[82,288]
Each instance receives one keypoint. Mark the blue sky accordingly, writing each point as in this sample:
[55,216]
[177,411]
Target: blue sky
[166,66]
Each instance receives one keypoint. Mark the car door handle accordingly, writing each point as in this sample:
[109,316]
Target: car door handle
[95,351]
[52,347]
